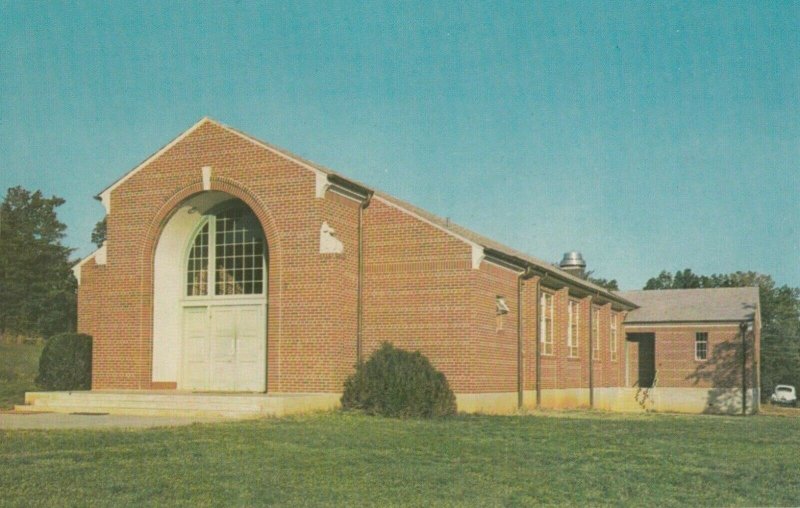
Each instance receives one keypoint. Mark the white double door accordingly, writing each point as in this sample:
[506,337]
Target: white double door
[224,348]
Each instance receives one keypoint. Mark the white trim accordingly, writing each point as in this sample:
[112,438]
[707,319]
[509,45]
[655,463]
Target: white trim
[613,334]
[102,254]
[544,337]
[105,196]
[687,324]
[99,255]
[105,200]
[208,301]
[573,339]
[696,342]
[321,184]
[477,256]
[205,171]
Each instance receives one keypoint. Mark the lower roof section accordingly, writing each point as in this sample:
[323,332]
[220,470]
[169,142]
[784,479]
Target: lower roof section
[693,305]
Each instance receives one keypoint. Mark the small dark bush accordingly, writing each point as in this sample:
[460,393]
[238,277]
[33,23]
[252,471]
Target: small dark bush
[398,383]
[66,363]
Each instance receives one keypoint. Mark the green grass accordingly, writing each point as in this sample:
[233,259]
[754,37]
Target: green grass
[339,459]
[19,364]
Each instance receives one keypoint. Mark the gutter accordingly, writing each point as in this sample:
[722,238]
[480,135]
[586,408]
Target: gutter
[564,278]
[591,353]
[360,291]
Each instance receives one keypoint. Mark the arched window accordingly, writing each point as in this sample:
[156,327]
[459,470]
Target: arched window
[227,255]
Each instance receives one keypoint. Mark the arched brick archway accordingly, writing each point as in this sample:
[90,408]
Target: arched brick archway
[274,285]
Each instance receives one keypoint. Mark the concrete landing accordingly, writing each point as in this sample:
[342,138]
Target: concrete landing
[48,421]
[178,404]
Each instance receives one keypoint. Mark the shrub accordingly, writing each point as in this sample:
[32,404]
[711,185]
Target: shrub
[66,363]
[394,382]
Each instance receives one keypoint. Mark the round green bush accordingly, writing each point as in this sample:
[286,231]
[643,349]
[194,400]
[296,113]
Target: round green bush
[394,382]
[66,363]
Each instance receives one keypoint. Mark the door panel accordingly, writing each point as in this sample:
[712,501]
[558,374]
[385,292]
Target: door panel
[224,348]
[251,345]
[195,349]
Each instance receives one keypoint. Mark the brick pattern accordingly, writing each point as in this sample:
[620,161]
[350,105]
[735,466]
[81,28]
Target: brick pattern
[676,363]
[419,289]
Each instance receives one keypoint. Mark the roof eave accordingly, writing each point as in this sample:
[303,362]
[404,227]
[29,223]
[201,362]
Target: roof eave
[548,271]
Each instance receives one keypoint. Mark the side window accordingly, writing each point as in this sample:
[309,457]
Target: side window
[546,321]
[701,346]
[612,345]
[595,333]
[573,331]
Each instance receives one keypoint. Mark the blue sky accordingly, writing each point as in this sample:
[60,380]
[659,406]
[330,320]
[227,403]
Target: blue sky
[648,136]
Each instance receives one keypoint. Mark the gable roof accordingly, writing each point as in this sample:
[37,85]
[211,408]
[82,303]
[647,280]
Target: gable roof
[490,246]
[693,305]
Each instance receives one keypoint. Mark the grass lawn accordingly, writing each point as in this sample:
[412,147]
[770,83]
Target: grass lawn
[19,364]
[339,459]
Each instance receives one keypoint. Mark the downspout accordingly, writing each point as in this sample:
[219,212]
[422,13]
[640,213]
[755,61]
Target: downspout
[743,328]
[538,341]
[360,289]
[591,353]
[527,274]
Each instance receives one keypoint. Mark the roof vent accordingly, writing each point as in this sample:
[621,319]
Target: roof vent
[573,263]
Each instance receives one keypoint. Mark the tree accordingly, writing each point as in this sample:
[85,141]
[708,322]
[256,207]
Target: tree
[780,318]
[37,289]
[611,285]
[99,233]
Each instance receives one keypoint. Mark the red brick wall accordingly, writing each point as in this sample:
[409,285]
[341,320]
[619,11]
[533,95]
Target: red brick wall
[493,345]
[417,290]
[420,291]
[311,316]
[675,356]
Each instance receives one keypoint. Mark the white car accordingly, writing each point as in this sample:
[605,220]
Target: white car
[784,394]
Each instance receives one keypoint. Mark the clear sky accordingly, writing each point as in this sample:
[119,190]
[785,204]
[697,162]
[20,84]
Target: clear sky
[648,135]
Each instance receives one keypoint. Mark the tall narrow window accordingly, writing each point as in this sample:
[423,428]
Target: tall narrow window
[573,331]
[701,346]
[197,271]
[227,256]
[546,331]
[613,339]
[595,333]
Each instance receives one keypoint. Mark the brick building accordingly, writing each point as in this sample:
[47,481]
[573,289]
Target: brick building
[232,265]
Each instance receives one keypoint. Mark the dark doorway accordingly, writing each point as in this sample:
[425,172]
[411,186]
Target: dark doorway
[646,359]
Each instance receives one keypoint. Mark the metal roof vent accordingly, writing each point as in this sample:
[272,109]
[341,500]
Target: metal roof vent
[573,263]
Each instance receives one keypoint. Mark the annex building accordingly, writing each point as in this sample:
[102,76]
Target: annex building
[235,266]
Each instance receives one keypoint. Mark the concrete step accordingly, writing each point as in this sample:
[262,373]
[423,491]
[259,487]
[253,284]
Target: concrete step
[171,403]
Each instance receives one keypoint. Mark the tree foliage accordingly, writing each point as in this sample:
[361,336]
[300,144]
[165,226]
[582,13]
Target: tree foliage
[780,317]
[610,284]
[99,233]
[37,289]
